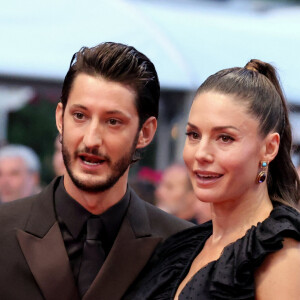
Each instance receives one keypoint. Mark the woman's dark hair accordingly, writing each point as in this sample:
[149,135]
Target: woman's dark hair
[257,84]
[119,63]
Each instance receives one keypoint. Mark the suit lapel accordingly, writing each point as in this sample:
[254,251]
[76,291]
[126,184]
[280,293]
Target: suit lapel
[42,245]
[132,249]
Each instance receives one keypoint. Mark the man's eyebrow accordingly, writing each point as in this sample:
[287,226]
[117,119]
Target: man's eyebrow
[109,112]
[79,106]
[115,111]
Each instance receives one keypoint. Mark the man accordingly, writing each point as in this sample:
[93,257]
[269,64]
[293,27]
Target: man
[175,195]
[19,172]
[50,248]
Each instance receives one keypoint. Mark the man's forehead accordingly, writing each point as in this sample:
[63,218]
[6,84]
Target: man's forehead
[15,162]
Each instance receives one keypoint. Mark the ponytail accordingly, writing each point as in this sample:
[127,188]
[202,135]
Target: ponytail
[258,85]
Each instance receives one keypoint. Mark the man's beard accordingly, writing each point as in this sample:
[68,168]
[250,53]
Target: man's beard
[117,169]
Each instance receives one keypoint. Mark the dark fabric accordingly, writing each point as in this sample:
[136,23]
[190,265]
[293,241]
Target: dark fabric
[34,261]
[194,221]
[72,218]
[48,264]
[93,254]
[229,277]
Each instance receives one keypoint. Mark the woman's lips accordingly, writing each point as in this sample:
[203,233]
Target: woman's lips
[206,177]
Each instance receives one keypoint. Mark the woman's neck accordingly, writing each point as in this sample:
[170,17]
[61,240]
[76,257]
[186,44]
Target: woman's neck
[231,219]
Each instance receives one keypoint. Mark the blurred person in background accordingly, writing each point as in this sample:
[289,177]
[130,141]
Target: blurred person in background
[19,172]
[144,183]
[175,195]
[57,159]
[298,172]
[202,211]
[144,189]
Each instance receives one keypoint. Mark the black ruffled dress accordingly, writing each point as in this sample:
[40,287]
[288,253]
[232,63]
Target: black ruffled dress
[229,277]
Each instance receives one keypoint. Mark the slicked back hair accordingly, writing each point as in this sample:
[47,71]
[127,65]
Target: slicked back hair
[257,87]
[122,64]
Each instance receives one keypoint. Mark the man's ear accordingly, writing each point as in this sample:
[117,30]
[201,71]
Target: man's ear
[147,132]
[59,117]
[271,146]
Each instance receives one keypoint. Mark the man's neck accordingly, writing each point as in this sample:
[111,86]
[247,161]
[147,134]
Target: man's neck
[97,203]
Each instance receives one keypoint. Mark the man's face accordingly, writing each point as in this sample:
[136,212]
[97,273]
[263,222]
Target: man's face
[100,132]
[16,181]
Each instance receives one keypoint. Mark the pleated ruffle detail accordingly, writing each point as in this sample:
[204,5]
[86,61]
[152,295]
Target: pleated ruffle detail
[232,275]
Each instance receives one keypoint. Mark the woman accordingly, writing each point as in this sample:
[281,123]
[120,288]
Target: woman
[238,155]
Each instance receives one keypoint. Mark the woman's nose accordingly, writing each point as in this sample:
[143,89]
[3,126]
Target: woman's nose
[204,152]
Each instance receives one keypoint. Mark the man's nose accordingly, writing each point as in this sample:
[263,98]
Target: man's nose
[93,135]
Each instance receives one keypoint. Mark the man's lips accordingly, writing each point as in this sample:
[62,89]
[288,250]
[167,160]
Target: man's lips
[90,159]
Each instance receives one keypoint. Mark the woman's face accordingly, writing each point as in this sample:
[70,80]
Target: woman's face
[223,148]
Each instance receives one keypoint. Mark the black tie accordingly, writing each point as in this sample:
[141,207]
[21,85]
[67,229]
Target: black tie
[93,255]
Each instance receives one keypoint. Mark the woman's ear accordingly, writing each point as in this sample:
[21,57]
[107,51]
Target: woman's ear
[271,146]
[59,117]
[147,132]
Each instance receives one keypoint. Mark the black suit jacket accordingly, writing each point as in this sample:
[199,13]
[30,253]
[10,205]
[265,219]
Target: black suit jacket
[34,263]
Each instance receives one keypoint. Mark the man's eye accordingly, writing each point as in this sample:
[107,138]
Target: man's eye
[113,122]
[79,116]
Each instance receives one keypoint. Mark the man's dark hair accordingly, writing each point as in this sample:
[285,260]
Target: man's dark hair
[118,63]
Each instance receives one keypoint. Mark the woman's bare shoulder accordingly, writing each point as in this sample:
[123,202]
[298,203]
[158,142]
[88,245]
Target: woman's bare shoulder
[279,275]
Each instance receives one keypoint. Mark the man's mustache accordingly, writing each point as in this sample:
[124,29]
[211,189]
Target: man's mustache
[93,151]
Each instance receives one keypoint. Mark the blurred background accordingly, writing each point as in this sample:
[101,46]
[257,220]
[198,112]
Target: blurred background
[186,39]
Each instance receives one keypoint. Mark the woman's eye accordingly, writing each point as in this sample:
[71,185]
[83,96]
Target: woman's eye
[226,138]
[192,135]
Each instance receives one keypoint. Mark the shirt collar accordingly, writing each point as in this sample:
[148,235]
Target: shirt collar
[74,216]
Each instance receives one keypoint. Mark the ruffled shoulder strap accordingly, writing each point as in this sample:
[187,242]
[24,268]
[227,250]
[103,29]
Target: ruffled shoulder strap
[181,241]
[233,275]
[162,274]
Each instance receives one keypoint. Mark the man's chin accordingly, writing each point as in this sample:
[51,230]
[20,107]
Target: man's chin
[90,184]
